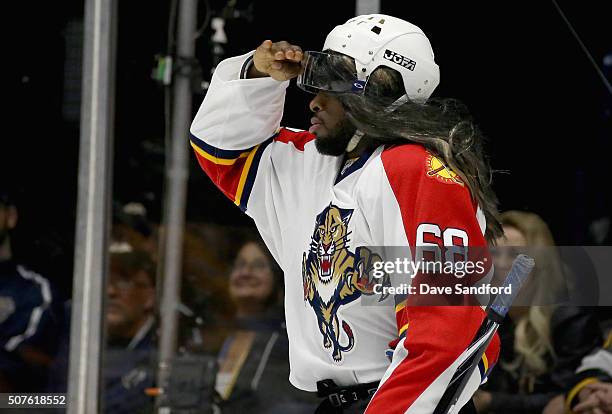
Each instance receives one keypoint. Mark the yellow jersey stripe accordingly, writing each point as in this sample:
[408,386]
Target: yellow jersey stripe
[218,161]
[485,361]
[245,173]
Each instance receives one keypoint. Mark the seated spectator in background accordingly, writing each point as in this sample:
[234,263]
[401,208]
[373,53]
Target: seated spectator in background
[541,345]
[130,363]
[590,391]
[254,361]
[130,357]
[592,386]
[28,319]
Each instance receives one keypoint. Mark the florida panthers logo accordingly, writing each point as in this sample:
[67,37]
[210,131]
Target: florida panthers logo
[333,276]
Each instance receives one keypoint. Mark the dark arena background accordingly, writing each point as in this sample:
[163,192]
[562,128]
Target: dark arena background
[528,82]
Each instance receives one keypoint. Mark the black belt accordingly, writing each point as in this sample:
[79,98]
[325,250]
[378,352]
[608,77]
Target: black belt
[337,398]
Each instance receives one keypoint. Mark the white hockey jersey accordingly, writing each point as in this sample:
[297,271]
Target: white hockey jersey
[314,218]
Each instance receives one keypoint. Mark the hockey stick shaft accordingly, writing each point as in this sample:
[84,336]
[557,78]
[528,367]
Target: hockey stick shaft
[521,267]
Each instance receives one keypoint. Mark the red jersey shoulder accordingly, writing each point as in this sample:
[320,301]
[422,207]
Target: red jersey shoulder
[414,160]
[411,169]
[404,159]
[295,137]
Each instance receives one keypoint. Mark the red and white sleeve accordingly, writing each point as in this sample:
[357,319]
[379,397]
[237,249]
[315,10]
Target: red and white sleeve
[436,209]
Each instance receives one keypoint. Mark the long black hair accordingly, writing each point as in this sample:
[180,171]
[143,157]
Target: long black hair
[443,126]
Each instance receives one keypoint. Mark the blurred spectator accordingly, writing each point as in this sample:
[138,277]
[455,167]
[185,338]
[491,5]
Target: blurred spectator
[130,355]
[28,319]
[590,391]
[592,386]
[130,297]
[541,345]
[254,361]
[129,366]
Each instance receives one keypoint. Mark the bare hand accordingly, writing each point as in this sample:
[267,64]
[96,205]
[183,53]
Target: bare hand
[280,60]
[599,401]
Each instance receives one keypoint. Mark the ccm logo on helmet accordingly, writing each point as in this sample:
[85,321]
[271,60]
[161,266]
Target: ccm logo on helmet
[399,59]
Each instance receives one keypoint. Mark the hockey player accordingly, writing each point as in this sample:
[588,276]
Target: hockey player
[378,167]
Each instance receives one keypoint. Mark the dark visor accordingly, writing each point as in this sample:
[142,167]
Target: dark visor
[328,72]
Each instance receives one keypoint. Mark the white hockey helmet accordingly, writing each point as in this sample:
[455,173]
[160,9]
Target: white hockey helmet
[376,40]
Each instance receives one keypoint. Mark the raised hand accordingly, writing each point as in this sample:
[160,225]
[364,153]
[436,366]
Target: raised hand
[280,60]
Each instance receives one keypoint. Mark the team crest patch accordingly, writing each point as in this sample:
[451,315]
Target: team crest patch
[438,170]
[334,277]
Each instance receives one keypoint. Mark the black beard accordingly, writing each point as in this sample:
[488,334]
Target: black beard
[338,138]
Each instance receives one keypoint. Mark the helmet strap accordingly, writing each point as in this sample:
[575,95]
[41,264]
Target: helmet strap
[354,141]
[356,138]
[397,103]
